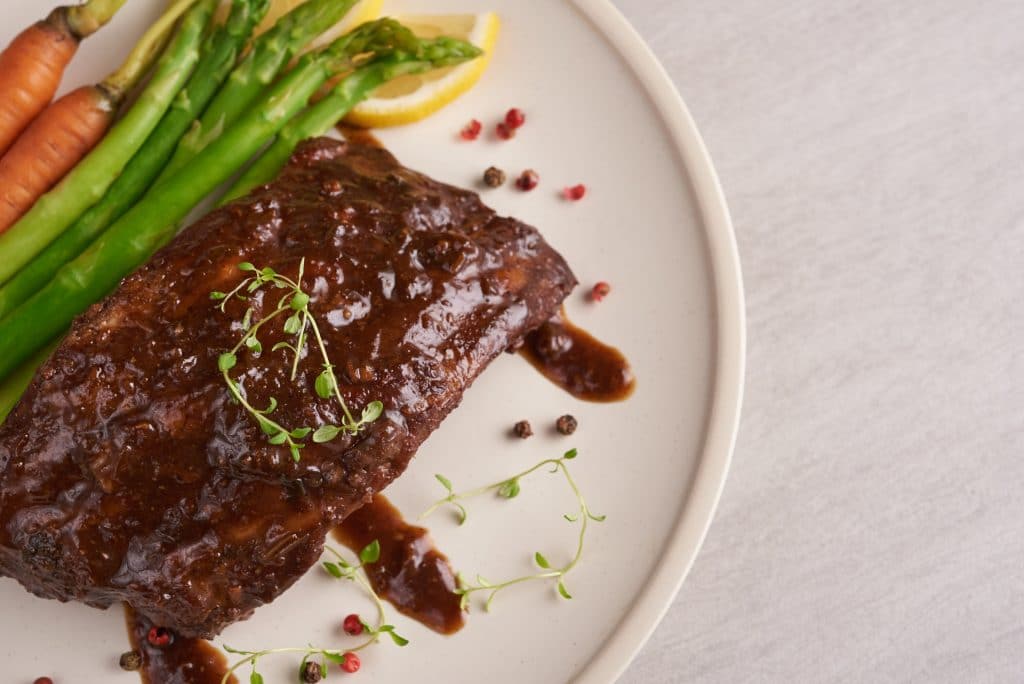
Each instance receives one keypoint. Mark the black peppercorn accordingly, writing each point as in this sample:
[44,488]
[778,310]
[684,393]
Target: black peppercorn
[566,425]
[311,673]
[522,429]
[130,661]
[494,177]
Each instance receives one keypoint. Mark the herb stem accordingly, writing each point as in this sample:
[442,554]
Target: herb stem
[334,380]
[508,489]
[343,570]
[251,332]
[473,493]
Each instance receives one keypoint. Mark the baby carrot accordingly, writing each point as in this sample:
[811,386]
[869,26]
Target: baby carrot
[69,128]
[32,65]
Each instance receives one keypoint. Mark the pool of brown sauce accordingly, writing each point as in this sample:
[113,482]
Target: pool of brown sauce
[182,661]
[412,575]
[576,361]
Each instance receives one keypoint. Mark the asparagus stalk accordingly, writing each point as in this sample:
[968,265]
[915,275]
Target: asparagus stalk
[86,184]
[321,117]
[14,386]
[270,53]
[151,222]
[219,55]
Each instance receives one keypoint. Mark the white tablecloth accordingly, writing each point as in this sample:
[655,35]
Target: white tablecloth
[873,156]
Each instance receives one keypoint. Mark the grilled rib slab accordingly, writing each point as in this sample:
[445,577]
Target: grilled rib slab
[128,474]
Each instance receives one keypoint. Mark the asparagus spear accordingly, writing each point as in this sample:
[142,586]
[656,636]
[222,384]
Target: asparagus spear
[14,386]
[270,53]
[85,185]
[219,55]
[321,117]
[151,222]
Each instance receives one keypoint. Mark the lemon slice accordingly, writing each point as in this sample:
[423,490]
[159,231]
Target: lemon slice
[411,98]
[362,12]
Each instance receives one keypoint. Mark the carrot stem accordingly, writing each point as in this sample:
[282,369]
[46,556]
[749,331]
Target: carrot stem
[85,20]
[147,49]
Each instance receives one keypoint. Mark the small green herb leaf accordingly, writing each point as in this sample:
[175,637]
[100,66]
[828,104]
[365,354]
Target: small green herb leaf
[509,489]
[268,427]
[284,345]
[333,569]
[272,406]
[255,678]
[399,640]
[246,266]
[541,560]
[563,591]
[371,553]
[324,384]
[253,344]
[338,658]
[293,325]
[278,439]
[226,362]
[247,319]
[372,411]
[571,454]
[299,301]
[326,433]
[218,296]
[300,433]
[445,482]
[294,448]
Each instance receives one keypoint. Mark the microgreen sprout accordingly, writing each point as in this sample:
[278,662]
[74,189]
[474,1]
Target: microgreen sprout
[294,303]
[509,489]
[343,569]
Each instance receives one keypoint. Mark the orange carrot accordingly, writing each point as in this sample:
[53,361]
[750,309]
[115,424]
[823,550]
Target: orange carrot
[69,128]
[51,147]
[32,65]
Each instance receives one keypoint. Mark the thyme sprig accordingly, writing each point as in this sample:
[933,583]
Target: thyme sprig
[509,489]
[345,570]
[294,303]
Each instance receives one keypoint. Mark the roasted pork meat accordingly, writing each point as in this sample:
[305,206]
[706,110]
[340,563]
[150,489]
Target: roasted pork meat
[127,473]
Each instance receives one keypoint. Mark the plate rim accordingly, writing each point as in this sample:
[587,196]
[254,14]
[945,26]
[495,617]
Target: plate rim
[694,521]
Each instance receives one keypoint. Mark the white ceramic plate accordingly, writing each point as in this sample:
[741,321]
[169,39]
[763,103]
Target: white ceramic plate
[655,225]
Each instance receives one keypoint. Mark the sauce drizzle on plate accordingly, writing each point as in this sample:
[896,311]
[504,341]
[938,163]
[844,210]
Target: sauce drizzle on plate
[411,574]
[579,363]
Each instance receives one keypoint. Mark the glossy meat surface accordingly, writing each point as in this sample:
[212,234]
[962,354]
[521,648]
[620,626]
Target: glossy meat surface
[127,474]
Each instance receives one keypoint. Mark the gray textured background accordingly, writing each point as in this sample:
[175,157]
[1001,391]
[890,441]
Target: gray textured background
[873,157]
